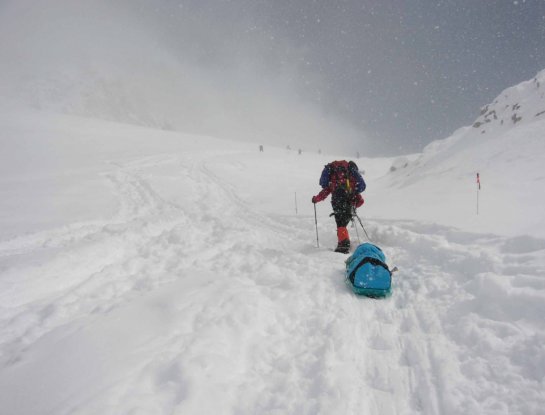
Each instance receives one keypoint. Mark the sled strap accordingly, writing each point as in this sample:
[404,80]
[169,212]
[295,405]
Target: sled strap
[368,260]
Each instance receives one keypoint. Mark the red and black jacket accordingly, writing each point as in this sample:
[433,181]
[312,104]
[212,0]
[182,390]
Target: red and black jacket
[341,173]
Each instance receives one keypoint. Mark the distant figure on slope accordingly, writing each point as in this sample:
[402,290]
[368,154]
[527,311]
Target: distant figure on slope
[343,180]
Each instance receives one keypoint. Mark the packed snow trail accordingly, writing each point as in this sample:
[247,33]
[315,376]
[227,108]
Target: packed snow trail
[205,293]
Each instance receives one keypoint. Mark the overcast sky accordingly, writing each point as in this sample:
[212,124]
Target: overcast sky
[388,76]
[405,72]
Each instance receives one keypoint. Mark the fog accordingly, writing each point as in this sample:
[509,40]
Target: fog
[136,62]
[352,76]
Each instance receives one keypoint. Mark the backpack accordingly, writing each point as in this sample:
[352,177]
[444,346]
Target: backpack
[367,273]
[344,175]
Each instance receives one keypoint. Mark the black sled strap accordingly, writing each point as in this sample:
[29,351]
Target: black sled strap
[368,260]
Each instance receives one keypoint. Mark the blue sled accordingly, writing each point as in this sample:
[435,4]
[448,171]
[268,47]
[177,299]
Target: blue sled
[367,273]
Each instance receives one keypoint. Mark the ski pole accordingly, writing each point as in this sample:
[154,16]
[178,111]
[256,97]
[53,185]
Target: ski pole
[357,233]
[316,222]
[478,191]
[356,215]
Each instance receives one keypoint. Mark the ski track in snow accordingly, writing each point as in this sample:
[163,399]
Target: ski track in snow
[243,315]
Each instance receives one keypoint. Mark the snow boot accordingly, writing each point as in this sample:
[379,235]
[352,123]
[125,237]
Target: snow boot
[343,245]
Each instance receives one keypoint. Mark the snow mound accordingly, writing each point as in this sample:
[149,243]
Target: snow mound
[521,104]
[516,107]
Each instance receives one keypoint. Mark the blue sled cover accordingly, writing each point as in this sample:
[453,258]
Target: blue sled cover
[367,273]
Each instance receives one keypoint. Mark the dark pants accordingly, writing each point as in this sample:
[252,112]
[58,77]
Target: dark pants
[342,208]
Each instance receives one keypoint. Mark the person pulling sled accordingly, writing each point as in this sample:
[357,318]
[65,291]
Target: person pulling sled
[344,182]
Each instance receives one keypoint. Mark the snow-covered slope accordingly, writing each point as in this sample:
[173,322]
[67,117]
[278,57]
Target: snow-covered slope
[521,104]
[150,272]
[508,155]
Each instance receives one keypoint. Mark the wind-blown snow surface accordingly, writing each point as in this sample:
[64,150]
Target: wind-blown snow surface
[150,272]
[506,146]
